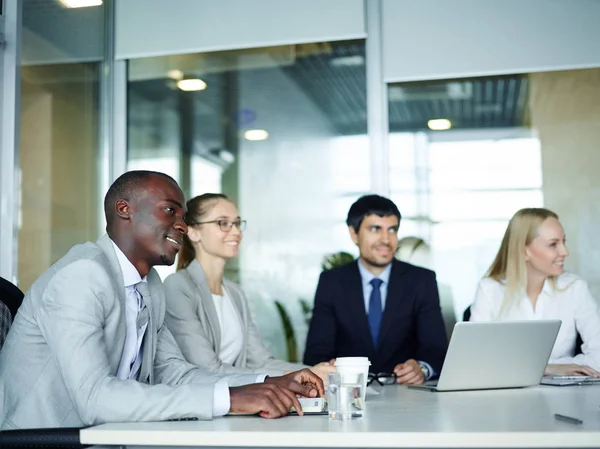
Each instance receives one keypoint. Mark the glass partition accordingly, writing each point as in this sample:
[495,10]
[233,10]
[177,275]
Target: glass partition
[59,133]
[466,154]
[282,131]
[462,161]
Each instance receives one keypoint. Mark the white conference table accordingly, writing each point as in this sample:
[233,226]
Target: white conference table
[398,418]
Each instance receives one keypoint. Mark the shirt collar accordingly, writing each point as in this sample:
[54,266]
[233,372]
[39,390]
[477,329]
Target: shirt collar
[547,287]
[367,276]
[130,273]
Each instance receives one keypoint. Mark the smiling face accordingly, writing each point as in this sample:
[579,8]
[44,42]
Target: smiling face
[377,241]
[155,227]
[545,255]
[208,238]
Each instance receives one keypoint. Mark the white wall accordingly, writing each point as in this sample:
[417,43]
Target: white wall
[435,39]
[161,27]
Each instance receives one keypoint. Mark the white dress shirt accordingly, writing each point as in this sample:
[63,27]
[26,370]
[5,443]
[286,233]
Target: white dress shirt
[232,338]
[571,302]
[131,359]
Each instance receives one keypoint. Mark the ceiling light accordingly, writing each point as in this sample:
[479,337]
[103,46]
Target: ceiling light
[348,61]
[256,134]
[175,74]
[80,3]
[191,85]
[439,124]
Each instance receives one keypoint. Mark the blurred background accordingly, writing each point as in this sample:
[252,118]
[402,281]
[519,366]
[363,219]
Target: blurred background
[461,111]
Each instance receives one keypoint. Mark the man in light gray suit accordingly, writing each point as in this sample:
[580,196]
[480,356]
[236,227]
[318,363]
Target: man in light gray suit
[89,344]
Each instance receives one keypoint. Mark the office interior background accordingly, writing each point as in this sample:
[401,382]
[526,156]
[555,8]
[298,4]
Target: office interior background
[295,109]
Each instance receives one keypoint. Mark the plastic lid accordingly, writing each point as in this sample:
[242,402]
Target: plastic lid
[352,361]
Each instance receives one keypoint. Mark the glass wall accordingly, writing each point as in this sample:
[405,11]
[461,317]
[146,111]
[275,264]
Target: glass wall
[466,154]
[59,138]
[282,131]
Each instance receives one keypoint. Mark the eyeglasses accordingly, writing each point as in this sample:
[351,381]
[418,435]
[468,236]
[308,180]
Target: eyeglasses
[225,225]
[382,378]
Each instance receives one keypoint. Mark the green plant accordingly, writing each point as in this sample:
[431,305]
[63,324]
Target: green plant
[335,260]
[306,310]
[288,330]
[329,261]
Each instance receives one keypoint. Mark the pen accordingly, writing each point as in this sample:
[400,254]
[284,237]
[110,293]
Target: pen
[568,419]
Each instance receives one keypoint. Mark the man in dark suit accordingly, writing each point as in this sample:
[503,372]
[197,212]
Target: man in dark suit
[377,306]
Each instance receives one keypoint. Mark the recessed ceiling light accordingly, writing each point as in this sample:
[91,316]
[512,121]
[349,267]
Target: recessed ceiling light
[256,134]
[191,85]
[348,61]
[175,74]
[80,3]
[439,124]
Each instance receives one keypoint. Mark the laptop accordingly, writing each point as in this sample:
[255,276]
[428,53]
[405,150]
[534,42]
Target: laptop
[567,381]
[487,355]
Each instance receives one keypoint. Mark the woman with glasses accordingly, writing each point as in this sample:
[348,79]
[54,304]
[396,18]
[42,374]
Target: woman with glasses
[207,314]
[527,281]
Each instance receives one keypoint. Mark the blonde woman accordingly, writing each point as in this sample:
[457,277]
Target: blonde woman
[207,314]
[527,281]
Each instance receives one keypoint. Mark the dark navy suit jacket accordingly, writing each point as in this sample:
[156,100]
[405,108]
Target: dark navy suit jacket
[411,327]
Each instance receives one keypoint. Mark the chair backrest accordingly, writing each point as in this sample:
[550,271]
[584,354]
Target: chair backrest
[467,314]
[11,298]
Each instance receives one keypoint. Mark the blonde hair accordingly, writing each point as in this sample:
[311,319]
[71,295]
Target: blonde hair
[509,266]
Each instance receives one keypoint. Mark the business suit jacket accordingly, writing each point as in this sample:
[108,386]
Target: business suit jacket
[411,325]
[193,321]
[59,363]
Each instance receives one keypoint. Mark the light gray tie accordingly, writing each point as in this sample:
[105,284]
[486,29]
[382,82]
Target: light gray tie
[143,318]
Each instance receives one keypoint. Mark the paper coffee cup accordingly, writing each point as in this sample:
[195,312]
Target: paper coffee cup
[351,366]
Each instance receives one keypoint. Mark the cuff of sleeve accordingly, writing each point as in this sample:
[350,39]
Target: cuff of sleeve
[221,401]
[260,378]
[427,369]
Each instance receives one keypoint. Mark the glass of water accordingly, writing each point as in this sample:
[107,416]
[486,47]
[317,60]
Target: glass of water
[344,395]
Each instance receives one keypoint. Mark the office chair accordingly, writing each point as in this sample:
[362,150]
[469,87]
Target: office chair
[11,298]
[467,314]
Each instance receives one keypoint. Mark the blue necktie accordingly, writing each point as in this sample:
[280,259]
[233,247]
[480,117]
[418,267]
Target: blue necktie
[375,309]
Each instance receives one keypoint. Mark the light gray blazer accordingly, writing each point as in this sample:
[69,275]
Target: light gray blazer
[59,363]
[193,321]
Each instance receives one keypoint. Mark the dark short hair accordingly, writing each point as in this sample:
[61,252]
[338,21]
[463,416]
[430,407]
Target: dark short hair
[371,205]
[126,187]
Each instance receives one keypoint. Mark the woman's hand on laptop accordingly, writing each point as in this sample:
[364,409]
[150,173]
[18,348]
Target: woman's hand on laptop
[409,373]
[570,370]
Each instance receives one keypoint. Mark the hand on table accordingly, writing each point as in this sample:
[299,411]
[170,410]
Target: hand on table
[268,400]
[409,373]
[570,370]
[302,382]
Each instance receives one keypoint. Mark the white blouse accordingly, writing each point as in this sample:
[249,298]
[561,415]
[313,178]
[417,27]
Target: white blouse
[571,302]
[232,338]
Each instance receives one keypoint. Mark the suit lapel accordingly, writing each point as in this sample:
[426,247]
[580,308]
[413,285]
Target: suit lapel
[196,273]
[393,300]
[105,243]
[356,304]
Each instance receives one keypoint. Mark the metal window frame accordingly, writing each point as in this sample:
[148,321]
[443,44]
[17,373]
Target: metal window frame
[10,88]
[377,100]
[112,154]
